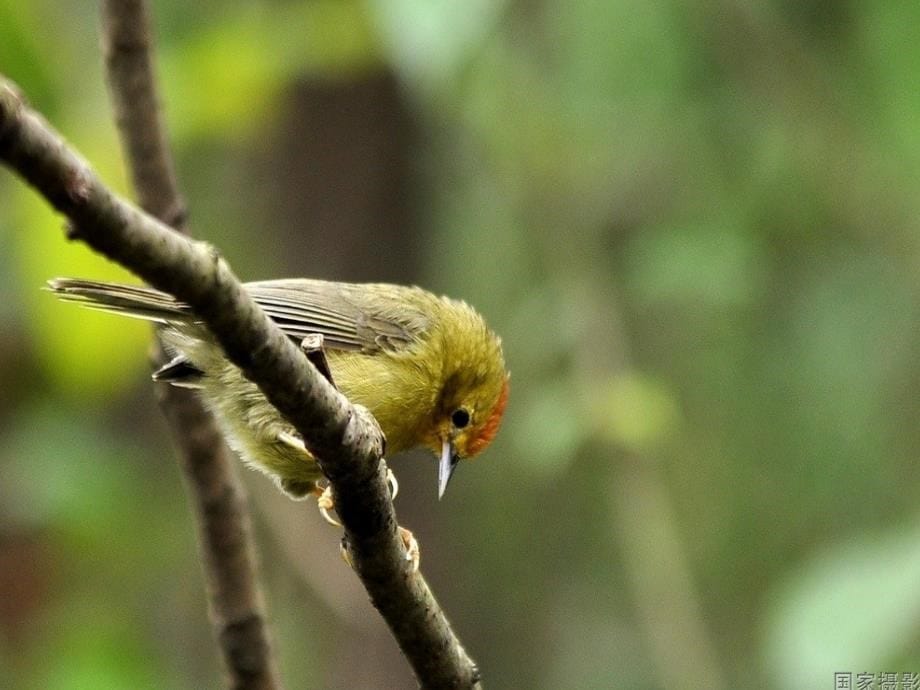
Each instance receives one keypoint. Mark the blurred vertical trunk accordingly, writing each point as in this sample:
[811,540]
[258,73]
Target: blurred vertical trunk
[344,200]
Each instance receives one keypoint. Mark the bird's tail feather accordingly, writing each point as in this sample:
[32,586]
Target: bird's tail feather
[129,300]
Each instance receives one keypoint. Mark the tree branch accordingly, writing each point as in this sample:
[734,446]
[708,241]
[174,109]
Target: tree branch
[235,601]
[127,46]
[345,438]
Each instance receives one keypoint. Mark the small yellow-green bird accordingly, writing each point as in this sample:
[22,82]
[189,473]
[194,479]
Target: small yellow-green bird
[427,367]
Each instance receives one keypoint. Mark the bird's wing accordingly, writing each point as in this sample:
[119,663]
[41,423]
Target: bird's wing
[366,318]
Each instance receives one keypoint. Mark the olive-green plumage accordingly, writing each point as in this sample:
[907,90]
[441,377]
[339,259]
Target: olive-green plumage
[427,367]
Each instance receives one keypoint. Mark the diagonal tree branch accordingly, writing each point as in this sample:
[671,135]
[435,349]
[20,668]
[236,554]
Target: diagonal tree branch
[344,437]
[235,601]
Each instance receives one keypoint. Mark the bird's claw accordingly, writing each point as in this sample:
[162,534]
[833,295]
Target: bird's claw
[394,485]
[325,503]
[413,553]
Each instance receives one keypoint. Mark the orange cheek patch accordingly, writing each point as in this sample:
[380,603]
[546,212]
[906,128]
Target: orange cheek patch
[481,441]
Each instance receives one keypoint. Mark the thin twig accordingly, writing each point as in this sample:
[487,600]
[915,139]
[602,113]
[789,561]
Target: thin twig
[235,599]
[345,438]
[128,49]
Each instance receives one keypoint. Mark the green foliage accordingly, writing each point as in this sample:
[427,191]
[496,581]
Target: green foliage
[853,606]
[88,354]
[223,81]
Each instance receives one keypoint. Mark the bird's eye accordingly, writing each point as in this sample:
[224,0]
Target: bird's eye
[460,418]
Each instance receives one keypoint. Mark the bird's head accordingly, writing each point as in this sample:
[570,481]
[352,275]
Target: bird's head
[471,404]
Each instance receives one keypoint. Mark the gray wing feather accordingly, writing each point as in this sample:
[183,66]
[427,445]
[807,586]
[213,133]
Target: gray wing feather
[345,314]
[130,300]
[342,313]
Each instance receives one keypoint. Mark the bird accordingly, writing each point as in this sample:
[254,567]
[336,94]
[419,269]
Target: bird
[427,367]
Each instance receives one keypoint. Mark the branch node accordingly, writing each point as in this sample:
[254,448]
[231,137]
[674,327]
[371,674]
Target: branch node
[177,216]
[78,186]
[72,231]
[312,345]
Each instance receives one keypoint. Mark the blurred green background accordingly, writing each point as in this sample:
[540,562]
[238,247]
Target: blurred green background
[695,226]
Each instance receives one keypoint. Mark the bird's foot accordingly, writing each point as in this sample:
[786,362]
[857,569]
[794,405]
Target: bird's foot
[325,503]
[413,553]
[394,485]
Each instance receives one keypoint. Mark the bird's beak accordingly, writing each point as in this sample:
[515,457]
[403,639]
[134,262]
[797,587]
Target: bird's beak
[447,465]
